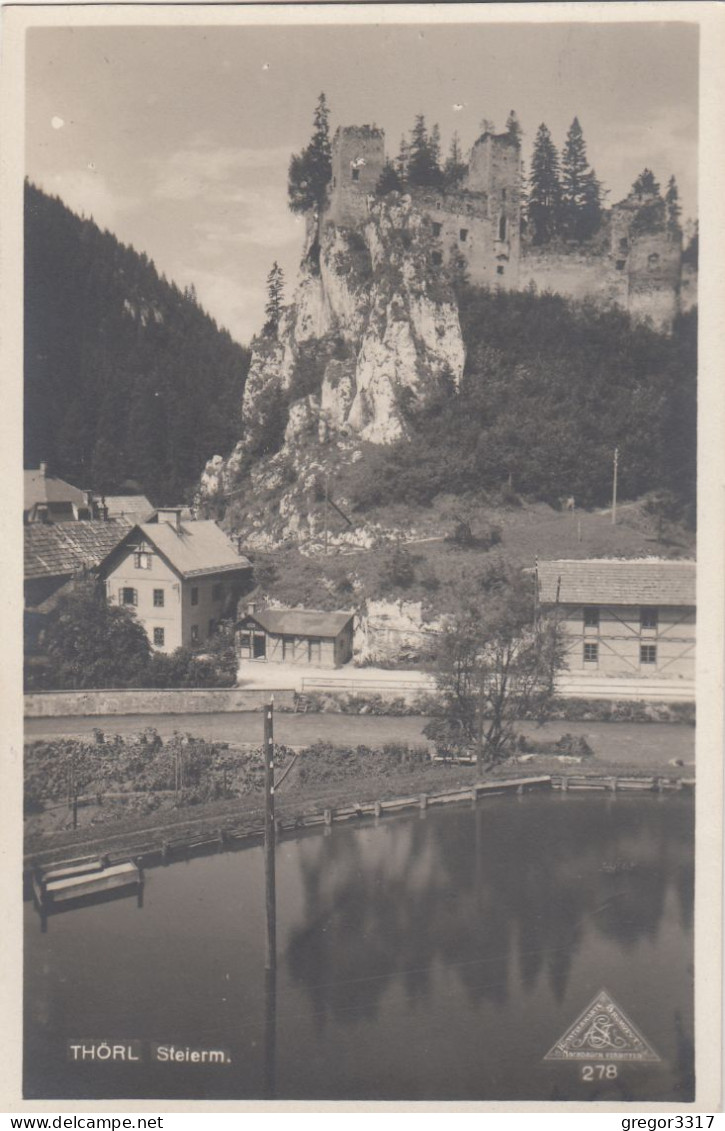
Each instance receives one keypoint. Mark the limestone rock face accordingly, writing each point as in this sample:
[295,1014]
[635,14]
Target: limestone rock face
[372,298]
[373,327]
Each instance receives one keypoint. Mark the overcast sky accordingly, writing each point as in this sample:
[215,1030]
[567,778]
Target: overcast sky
[178,139]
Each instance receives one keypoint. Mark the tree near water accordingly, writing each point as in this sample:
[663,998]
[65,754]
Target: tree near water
[497,664]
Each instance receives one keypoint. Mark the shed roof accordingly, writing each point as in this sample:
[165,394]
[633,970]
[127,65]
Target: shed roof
[57,550]
[38,487]
[615,581]
[196,548]
[301,622]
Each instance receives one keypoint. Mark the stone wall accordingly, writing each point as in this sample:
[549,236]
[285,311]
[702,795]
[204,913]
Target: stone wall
[150,701]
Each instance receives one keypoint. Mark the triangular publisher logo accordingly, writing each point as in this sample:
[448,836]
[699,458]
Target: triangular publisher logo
[602,1032]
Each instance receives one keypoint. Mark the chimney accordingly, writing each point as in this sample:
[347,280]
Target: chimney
[171,515]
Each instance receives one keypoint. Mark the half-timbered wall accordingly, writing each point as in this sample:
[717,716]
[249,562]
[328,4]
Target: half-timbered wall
[630,640]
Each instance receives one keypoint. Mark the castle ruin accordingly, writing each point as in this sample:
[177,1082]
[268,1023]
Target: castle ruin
[626,263]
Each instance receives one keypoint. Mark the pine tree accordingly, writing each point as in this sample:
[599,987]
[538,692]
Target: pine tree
[389,180]
[581,192]
[513,127]
[646,184]
[402,160]
[544,207]
[455,167]
[311,170]
[672,200]
[273,309]
[423,167]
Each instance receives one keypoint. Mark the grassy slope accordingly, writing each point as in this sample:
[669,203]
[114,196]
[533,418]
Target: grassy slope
[344,580]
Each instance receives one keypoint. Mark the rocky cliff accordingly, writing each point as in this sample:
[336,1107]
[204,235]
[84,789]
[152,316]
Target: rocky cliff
[372,327]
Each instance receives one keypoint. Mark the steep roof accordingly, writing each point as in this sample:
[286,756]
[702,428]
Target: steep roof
[301,622]
[614,581]
[195,549]
[38,487]
[53,551]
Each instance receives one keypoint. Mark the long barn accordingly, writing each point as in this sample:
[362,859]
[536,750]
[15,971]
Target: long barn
[296,636]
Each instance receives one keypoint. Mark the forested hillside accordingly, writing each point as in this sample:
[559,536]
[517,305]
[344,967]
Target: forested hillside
[550,388]
[126,377]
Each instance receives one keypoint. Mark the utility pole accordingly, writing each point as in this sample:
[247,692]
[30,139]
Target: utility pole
[270,963]
[269,837]
[614,487]
[325,516]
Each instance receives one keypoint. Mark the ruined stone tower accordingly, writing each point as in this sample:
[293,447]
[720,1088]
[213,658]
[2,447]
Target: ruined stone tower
[358,156]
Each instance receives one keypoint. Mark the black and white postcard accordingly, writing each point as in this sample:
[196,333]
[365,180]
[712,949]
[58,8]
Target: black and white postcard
[364,369]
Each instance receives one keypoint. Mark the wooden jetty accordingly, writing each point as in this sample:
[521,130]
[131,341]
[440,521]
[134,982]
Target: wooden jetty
[83,879]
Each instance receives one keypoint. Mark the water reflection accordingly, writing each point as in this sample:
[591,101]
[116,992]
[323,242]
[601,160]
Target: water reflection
[437,956]
[495,894]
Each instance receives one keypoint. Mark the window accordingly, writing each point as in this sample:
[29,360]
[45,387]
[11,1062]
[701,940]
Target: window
[502,228]
[142,560]
[621,265]
[356,174]
[158,637]
[591,618]
[158,598]
[437,258]
[217,591]
[195,596]
[195,634]
[648,618]
[437,228]
[591,653]
[648,653]
[463,234]
[499,269]
[129,597]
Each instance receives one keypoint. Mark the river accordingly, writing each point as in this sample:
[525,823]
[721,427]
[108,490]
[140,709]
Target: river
[439,955]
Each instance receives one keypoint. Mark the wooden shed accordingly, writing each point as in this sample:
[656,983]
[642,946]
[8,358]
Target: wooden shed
[308,637]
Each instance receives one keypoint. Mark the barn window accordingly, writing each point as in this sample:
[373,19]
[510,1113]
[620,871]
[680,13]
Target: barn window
[499,269]
[591,653]
[502,228]
[463,234]
[591,617]
[356,174]
[648,653]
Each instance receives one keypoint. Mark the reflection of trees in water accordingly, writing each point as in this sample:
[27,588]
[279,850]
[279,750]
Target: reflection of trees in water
[474,890]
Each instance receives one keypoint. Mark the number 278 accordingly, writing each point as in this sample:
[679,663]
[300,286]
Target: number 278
[599,1072]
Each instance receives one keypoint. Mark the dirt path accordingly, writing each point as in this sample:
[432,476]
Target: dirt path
[648,744]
